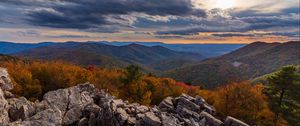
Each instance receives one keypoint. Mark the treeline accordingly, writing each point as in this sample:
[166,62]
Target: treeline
[33,79]
[241,100]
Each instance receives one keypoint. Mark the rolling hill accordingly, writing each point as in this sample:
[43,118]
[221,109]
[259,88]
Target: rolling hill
[10,47]
[248,62]
[206,50]
[110,56]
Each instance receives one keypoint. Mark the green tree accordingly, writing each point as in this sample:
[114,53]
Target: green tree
[132,74]
[283,90]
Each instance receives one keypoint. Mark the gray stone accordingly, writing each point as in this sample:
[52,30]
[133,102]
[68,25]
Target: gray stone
[49,117]
[91,108]
[122,116]
[5,81]
[93,120]
[186,103]
[83,122]
[210,120]
[166,105]
[131,121]
[20,108]
[190,98]
[70,101]
[186,113]
[4,118]
[141,109]
[72,115]
[169,120]
[151,120]
[8,95]
[230,121]
[204,106]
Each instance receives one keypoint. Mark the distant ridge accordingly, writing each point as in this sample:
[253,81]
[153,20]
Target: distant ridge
[10,47]
[110,56]
[206,50]
[248,62]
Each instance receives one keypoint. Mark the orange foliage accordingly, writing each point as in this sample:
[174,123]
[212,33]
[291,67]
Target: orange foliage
[33,79]
[241,100]
[244,101]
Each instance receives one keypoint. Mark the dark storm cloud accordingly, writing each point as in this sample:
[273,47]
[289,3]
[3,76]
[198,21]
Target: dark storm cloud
[151,7]
[263,22]
[85,14]
[53,18]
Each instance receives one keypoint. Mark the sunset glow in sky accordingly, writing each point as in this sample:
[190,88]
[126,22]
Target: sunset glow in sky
[170,21]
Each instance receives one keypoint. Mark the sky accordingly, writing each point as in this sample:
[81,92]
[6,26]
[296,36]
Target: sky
[169,21]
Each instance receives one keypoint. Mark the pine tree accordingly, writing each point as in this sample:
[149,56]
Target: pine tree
[132,74]
[284,93]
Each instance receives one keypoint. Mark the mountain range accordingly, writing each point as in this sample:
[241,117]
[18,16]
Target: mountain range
[11,48]
[248,62]
[206,50]
[208,70]
[109,56]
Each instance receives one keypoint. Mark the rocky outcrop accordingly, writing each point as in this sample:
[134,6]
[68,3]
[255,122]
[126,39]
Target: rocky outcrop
[5,82]
[84,105]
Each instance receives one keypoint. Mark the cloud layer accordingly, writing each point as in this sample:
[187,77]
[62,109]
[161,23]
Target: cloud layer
[160,19]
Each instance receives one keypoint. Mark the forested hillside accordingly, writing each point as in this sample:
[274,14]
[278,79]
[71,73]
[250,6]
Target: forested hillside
[246,63]
[109,56]
[32,79]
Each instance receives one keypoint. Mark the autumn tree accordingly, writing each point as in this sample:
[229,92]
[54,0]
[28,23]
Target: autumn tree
[24,83]
[283,90]
[244,101]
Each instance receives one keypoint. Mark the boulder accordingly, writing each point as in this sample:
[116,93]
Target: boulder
[141,109]
[4,118]
[20,108]
[187,103]
[49,117]
[230,121]
[204,106]
[186,113]
[166,105]
[5,81]
[209,120]
[169,120]
[122,116]
[150,119]
[8,95]
[91,109]
[83,122]
[70,101]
